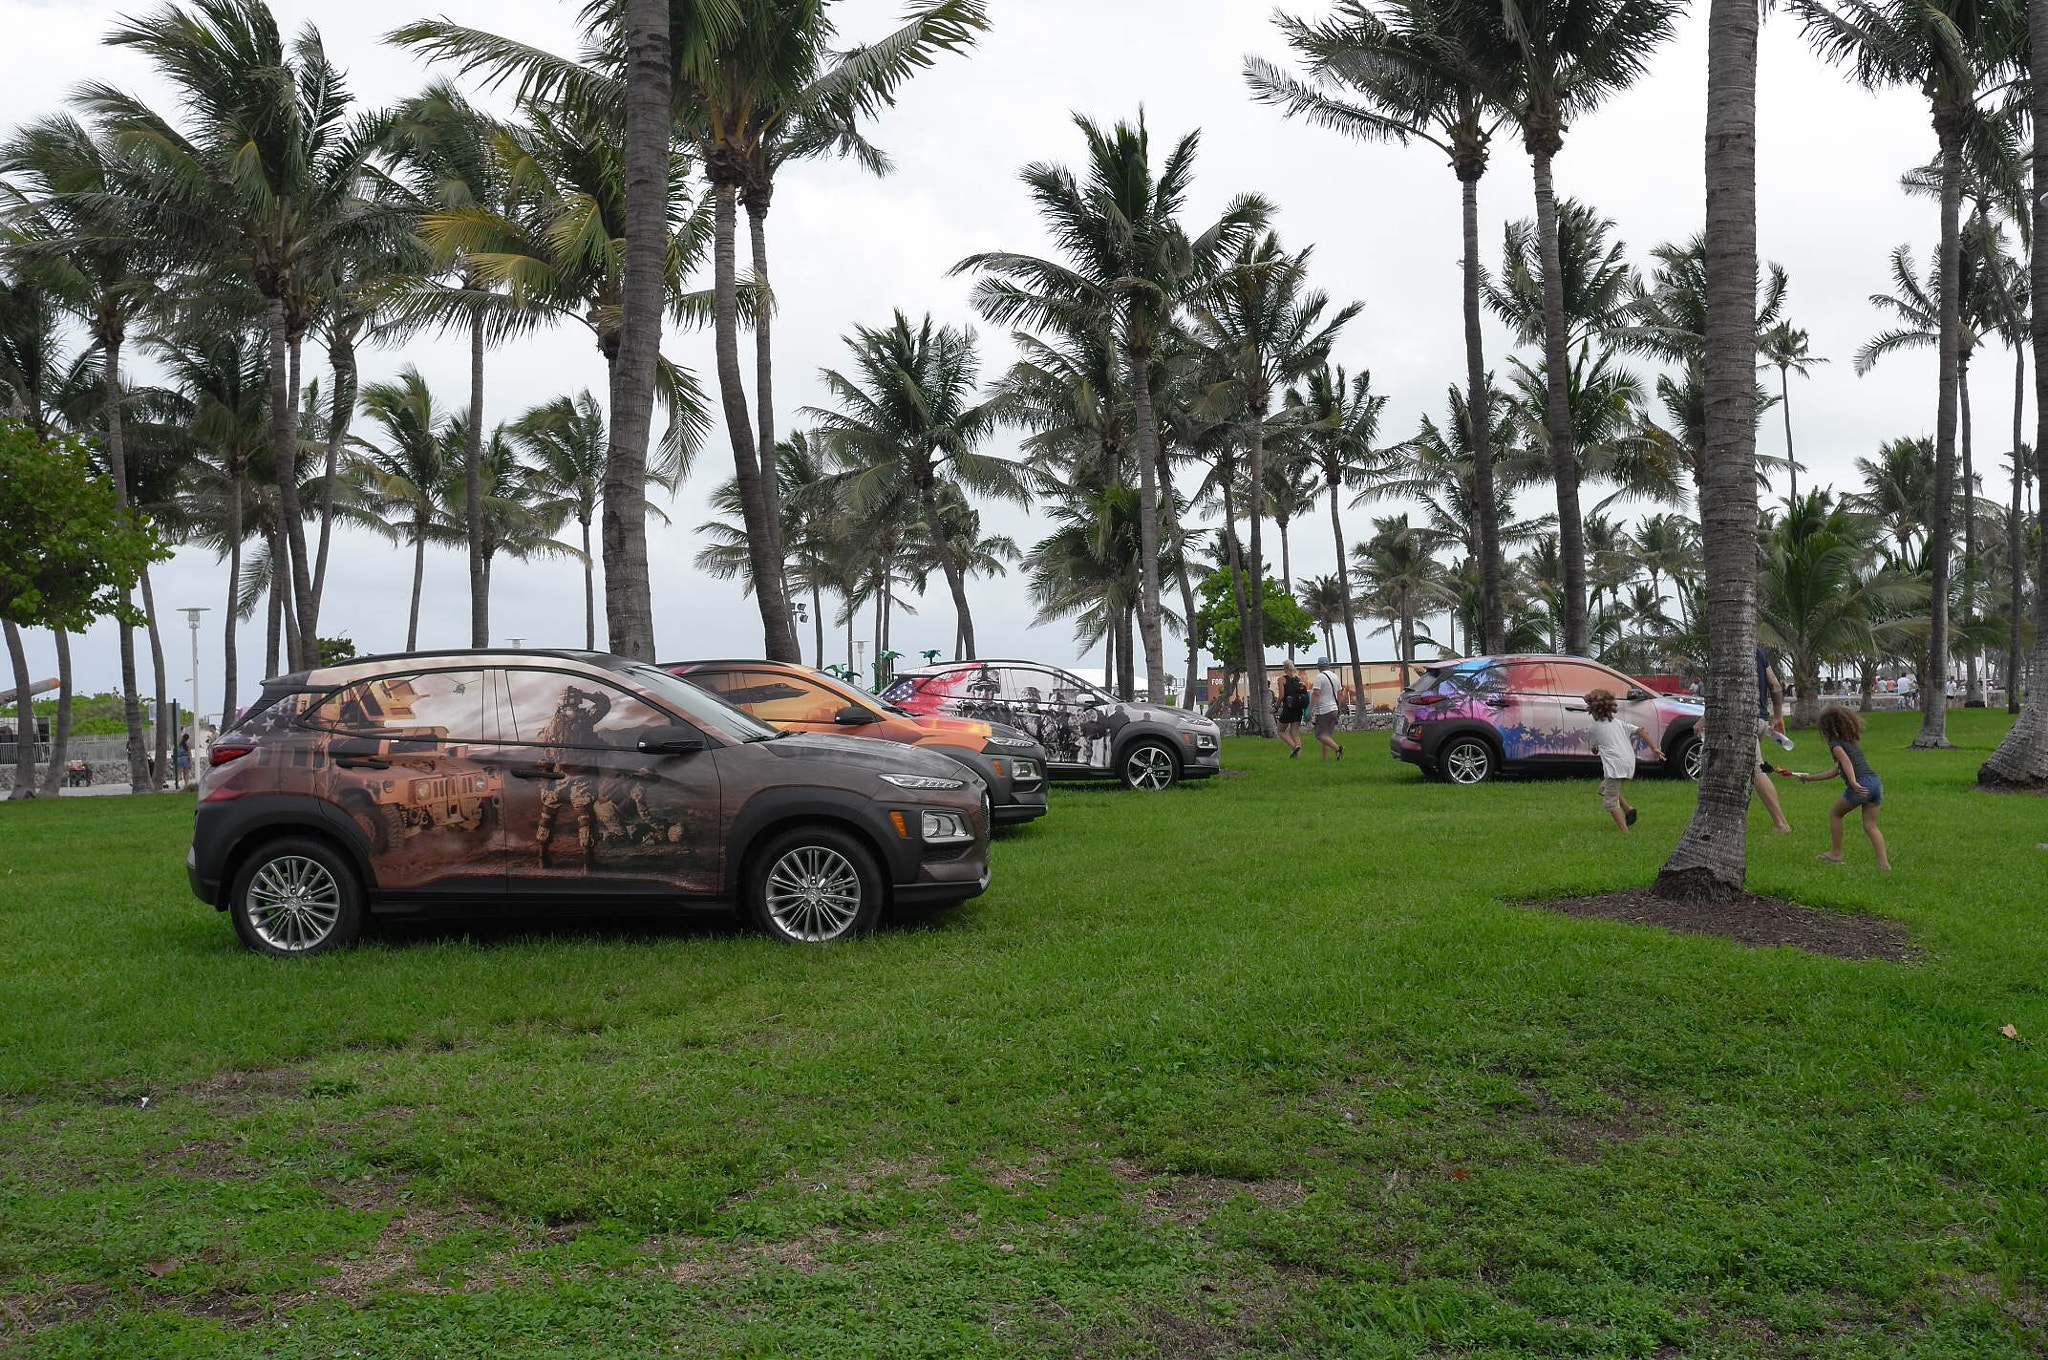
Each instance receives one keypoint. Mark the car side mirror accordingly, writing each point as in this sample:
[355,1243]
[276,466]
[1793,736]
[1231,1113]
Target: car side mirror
[853,715]
[670,741]
[1638,695]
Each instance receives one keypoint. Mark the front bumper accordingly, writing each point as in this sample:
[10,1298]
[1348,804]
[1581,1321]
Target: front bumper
[1012,800]
[1201,755]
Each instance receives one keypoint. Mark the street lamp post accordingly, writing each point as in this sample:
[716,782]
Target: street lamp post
[192,618]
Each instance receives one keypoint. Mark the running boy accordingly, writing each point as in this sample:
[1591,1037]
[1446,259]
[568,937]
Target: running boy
[1861,788]
[1613,741]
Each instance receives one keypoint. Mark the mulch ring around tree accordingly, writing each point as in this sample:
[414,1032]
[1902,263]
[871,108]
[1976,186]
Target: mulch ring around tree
[1760,922]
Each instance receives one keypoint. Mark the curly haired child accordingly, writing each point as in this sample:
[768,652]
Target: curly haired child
[1612,740]
[1861,788]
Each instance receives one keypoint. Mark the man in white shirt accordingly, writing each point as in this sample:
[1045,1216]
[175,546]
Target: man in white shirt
[1323,708]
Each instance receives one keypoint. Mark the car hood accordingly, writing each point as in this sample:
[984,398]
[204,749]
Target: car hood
[881,757]
[940,724]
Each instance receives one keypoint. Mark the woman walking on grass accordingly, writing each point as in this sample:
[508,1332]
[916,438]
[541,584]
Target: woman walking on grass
[1293,708]
[1861,788]
[1614,742]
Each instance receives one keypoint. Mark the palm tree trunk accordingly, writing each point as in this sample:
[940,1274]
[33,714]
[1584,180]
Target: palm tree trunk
[60,729]
[1785,405]
[1973,677]
[284,435]
[1108,651]
[818,625]
[1127,656]
[159,738]
[2015,535]
[1187,605]
[473,491]
[1940,520]
[341,357]
[1493,623]
[24,717]
[1255,566]
[419,574]
[1866,683]
[1350,613]
[1557,416]
[230,662]
[1286,573]
[764,537]
[1233,550]
[589,592]
[117,468]
[757,198]
[2021,760]
[274,626]
[628,594]
[1140,358]
[949,560]
[1710,860]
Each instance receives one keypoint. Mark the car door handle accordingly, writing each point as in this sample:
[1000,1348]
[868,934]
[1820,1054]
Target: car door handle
[1494,701]
[1575,708]
[536,774]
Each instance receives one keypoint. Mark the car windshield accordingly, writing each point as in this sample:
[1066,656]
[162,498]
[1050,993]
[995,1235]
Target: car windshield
[698,705]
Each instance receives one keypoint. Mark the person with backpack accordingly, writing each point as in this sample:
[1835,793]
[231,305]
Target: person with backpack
[1293,708]
[1324,705]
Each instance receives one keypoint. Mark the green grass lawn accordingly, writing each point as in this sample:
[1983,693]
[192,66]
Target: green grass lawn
[1263,1066]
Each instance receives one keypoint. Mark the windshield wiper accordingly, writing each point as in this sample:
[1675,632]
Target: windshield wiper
[773,734]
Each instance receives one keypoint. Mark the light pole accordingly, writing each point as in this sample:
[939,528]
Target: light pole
[192,618]
[517,642]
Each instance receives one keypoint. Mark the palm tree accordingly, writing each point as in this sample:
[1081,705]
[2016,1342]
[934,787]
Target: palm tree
[1292,485]
[908,414]
[70,226]
[1917,313]
[1572,56]
[1710,860]
[1600,285]
[218,394]
[261,184]
[564,441]
[1261,328]
[1339,420]
[2021,760]
[520,517]
[1327,602]
[1425,71]
[408,472]
[1129,268]
[1401,573]
[1816,601]
[754,84]
[1898,490]
[1950,50]
[442,154]
[1784,346]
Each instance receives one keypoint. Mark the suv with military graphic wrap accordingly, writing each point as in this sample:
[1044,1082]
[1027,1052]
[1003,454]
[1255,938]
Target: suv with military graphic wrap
[478,782]
[1087,734]
[798,699]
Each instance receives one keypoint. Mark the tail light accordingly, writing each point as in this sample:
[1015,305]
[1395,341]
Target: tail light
[220,753]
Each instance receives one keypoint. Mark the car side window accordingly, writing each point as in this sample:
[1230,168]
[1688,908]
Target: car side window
[1487,681]
[446,706]
[1528,677]
[774,697]
[1575,680]
[1043,688]
[556,708]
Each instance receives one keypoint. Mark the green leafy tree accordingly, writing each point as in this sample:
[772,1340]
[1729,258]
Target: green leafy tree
[70,552]
[1218,631]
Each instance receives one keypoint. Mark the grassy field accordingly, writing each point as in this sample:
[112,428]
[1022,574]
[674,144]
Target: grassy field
[1261,1067]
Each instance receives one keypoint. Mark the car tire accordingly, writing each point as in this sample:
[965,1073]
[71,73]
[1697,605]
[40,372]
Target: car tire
[295,897]
[1468,760]
[1149,765]
[1688,760]
[814,885]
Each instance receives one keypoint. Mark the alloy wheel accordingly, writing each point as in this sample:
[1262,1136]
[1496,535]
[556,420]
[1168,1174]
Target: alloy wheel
[1468,763]
[813,894]
[294,903]
[1150,767]
[1695,759]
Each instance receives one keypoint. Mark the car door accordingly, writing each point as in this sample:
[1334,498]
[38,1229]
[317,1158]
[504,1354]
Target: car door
[1571,682]
[397,754]
[587,814]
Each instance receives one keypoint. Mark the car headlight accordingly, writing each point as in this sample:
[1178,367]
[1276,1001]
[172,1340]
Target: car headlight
[941,827]
[1014,743]
[930,782]
[1023,769]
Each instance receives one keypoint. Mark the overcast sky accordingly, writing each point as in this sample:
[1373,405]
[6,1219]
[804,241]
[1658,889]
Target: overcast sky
[846,249]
